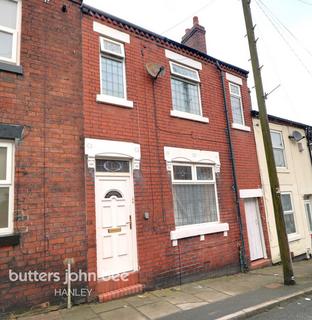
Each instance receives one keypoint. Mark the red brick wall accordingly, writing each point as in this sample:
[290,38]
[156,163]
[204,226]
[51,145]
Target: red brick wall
[49,182]
[149,124]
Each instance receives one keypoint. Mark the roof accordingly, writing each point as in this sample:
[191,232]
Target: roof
[86,9]
[275,119]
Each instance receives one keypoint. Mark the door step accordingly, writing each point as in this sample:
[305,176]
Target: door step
[261,263]
[122,292]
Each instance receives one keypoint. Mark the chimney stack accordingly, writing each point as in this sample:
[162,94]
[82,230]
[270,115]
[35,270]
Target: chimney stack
[195,37]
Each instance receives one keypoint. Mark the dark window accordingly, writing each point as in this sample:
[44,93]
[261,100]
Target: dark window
[112,165]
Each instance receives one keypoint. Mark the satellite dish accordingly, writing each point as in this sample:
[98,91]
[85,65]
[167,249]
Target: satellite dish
[296,136]
[155,70]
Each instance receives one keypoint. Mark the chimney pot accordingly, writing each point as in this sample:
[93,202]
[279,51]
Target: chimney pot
[195,20]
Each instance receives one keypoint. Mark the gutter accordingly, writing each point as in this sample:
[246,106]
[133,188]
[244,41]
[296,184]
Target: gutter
[282,121]
[242,260]
[255,114]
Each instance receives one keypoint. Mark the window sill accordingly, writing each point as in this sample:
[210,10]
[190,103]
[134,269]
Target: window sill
[9,240]
[198,230]
[188,116]
[294,237]
[114,100]
[12,68]
[240,127]
[282,170]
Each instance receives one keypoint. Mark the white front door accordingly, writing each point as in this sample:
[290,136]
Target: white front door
[254,229]
[114,225]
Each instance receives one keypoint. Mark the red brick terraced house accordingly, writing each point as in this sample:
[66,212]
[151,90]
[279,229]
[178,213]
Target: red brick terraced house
[173,189]
[126,151]
[42,207]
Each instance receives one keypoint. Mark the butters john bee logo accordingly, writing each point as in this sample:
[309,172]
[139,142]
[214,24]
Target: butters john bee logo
[70,277]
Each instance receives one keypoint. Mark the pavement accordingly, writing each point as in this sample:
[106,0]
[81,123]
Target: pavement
[229,297]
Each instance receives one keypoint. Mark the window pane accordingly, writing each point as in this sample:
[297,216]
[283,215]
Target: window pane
[204,173]
[182,172]
[112,165]
[276,140]
[290,223]
[112,47]
[112,77]
[3,164]
[279,157]
[234,89]
[185,96]
[4,207]
[237,110]
[286,202]
[6,44]
[185,72]
[8,13]
[194,204]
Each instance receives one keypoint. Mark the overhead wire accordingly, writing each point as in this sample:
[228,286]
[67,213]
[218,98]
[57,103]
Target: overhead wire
[274,68]
[283,37]
[189,16]
[286,28]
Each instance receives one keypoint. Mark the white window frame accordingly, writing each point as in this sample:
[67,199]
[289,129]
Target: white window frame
[308,203]
[120,57]
[103,50]
[195,181]
[9,183]
[282,148]
[195,81]
[179,75]
[290,212]
[120,101]
[237,125]
[16,33]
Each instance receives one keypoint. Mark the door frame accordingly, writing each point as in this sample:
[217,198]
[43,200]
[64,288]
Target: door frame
[132,204]
[264,251]
[309,202]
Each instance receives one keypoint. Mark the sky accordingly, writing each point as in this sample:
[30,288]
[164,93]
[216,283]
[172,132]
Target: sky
[283,27]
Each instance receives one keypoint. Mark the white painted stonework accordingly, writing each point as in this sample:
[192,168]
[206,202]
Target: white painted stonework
[111,33]
[183,59]
[173,154]
[112,149]
[197,230]
[230,77]
[250,193]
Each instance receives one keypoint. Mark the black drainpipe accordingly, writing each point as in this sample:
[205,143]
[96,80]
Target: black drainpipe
[242,251]
[308,131]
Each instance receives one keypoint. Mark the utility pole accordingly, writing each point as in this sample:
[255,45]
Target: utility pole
[289,278]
